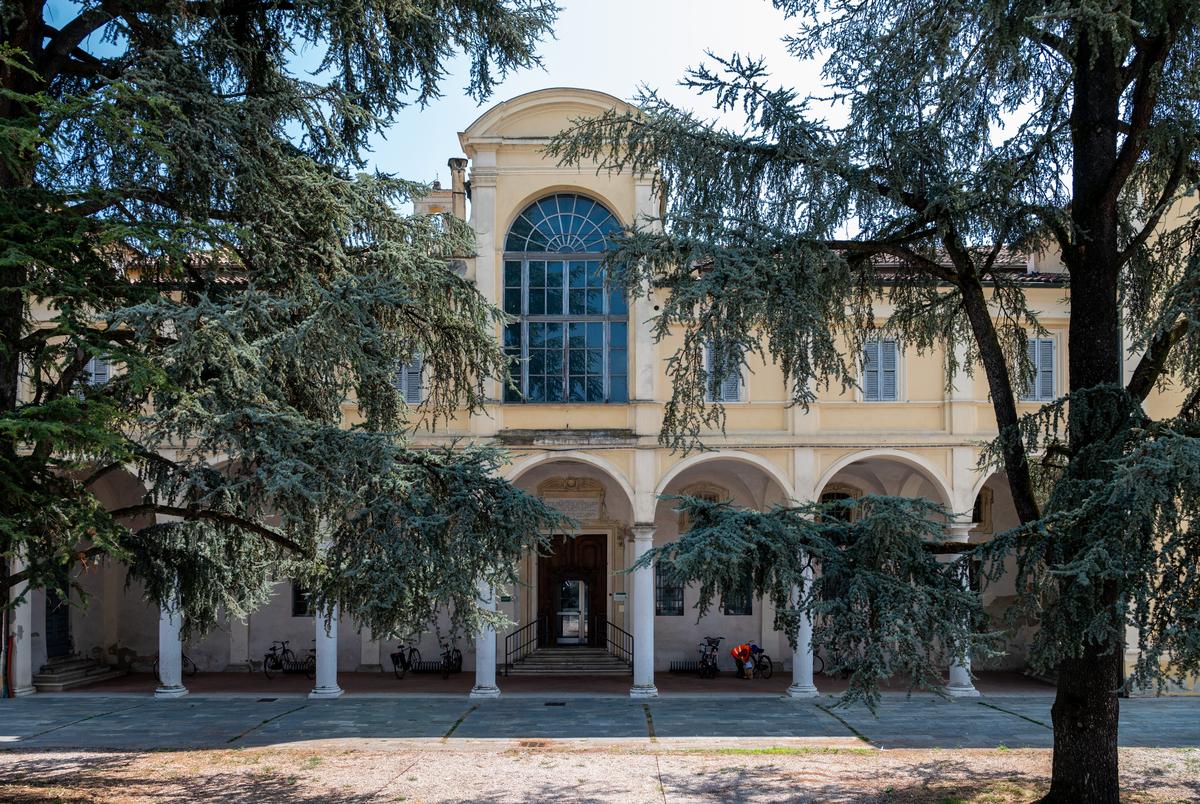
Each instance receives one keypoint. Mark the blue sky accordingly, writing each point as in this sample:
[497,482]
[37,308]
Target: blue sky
[609,45]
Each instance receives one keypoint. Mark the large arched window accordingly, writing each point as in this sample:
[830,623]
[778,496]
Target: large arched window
[573,333]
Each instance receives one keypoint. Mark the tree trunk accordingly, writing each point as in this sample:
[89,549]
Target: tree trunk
[1086,705]
[1085,730]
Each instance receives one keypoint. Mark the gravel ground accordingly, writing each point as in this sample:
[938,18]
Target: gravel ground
[541,770]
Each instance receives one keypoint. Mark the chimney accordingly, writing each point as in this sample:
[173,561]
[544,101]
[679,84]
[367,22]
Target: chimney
[458,186]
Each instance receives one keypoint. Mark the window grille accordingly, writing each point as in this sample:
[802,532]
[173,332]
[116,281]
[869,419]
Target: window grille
[668,593]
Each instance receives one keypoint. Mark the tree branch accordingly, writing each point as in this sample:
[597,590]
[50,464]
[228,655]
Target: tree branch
[210,515]
[1174,179]
[1154,362]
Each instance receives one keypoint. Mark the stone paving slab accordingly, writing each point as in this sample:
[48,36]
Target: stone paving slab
[743,717]
[91,722]
[562,718]
[931,721]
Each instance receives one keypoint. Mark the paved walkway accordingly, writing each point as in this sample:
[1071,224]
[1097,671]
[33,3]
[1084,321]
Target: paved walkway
[84,722]
[991,683]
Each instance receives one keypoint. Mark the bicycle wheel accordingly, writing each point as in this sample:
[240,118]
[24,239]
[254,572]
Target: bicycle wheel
[310,667]
[399,666]
[457,659]
[446,665]
[271,665]
[818,664]
[157,677]
[189,667]
[764,666]
[287,658]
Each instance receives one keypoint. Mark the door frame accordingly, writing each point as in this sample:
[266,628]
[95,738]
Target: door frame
[615,558]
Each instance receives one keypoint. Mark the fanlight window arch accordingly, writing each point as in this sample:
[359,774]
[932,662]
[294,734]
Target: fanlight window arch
[572,333]
[563,223]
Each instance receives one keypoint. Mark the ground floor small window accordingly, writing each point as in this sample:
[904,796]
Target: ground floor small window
[668,594]
[739,604]
[301,601]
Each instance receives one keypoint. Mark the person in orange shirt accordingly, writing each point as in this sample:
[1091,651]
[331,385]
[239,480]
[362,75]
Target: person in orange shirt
[743,657]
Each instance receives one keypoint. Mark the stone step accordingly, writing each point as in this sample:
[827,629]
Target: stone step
[56,683]
[66,664]
[71,675]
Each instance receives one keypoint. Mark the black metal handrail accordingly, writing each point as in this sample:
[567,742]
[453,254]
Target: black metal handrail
[524,641]
[613,638]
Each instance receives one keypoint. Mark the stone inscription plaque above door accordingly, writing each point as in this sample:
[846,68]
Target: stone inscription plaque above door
[580,498]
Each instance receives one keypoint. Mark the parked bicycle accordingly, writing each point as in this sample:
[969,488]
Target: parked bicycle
[188,668]
[405,658]
[452,660]
[708,657]
[281,659]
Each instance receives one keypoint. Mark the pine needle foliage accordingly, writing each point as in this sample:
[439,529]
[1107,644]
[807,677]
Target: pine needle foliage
[881,602]
[962,137]
[184,199]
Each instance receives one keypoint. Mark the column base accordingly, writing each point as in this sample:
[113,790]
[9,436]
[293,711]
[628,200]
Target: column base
[803,691]
[21,692]
[326,693]
[957,691]
[643,691]
[484,692]
[165,693]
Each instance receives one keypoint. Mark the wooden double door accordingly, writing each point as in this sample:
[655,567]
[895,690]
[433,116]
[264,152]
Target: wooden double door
[572,587]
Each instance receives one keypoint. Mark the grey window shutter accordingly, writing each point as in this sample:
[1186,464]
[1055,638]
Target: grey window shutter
[888,360]
[98,371]
[871,370]
[731,386]
[1031,352]
[1045,369]
[412,380]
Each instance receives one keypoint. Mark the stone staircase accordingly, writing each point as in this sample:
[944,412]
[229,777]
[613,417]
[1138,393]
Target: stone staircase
[69,672]
[570,661]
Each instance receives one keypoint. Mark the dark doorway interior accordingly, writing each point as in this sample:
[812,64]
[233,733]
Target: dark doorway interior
[572,589]
[58,626]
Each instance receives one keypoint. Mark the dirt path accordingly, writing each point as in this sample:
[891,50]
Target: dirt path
[545,770]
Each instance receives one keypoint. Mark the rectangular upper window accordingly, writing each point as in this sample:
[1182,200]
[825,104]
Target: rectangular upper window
[724,382]
[1040,388]
[881,361]
[409,380]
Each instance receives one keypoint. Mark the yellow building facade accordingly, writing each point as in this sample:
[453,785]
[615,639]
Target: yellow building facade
[583,431]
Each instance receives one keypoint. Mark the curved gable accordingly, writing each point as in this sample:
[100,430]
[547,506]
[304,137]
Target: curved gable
[539,114]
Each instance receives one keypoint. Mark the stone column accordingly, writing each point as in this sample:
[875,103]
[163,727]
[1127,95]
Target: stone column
[643,617]
[326,644]
[485,650]
[21,620]
[802,656]
[960,685]
[170,653]
[239,646]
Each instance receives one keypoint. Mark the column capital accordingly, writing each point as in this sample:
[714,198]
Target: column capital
[961,531]
[643,531]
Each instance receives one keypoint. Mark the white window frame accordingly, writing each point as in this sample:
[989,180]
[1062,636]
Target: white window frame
[723,396]
[404,379]
[899,372]
[1033,391]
